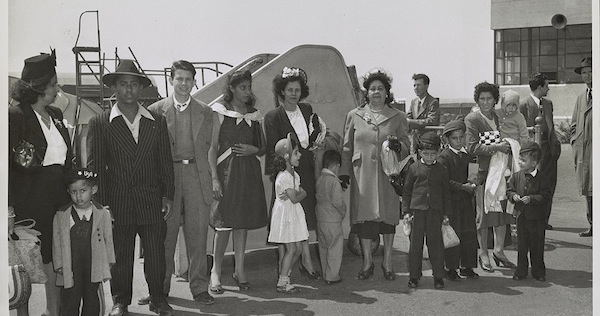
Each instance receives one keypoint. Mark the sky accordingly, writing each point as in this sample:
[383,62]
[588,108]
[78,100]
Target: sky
[450,40]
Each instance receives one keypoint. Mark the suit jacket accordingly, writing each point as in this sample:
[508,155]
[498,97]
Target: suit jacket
[24,125]
[330,199]
[103,253]
[277,126]
[372,197]
[537,187]
[133,178]
[202,129]
[427,188]
[458,172]
[475,125]
[426,116]
[530,111]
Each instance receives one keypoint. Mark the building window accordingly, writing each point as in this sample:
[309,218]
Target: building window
[518,53]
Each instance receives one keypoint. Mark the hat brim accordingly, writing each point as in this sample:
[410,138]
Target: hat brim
[452,129]
[109,79]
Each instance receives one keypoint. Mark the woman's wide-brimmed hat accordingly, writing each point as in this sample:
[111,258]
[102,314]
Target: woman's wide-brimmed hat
[586,62]
[126,67]
[42,66]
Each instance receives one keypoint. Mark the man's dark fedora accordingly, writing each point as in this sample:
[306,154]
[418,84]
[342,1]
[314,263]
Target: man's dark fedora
[126,67]
[586,62]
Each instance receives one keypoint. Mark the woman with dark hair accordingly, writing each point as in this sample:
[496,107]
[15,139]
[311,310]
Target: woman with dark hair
[243,204]
[374,204]
[292,116]
[40,150]
[479,121]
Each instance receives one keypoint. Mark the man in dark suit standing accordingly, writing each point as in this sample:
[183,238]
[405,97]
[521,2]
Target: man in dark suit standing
[532,107]
[130,151]
[424,110]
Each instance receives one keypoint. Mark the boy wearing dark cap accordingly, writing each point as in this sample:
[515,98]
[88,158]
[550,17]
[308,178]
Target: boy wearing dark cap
[462,215]
[530,190]
[82,247]
[426,195]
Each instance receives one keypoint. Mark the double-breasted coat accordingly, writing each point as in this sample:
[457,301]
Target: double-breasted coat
[372,197]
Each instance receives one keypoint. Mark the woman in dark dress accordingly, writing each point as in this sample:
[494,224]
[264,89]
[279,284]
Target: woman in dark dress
[243,204]
[290,116]
[35,188]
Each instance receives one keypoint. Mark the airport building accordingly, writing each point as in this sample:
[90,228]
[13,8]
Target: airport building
[546,36]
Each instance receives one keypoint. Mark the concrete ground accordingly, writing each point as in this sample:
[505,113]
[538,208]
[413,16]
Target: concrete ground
[568,290]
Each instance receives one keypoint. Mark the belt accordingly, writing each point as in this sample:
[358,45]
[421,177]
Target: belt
[185,161]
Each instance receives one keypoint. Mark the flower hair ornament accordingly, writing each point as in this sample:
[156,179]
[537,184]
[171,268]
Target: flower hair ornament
[294,72]
[377,71]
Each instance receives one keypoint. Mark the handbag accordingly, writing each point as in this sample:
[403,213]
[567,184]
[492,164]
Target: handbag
[489,138]
[25,155]
[19,287]
[26,251]
[449,236]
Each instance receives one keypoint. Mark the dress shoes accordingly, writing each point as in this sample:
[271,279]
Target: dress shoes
[541,279]
[389,275]
[438,283]
[469,273]
[413,283]
[243,286]
[518,278]
[204,298]
[587,233]
[163,308]
[549,227]
[118,310]
[363,275]
[452,275]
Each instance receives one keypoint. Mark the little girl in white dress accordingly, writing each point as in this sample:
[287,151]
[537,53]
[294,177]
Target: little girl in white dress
[288,225]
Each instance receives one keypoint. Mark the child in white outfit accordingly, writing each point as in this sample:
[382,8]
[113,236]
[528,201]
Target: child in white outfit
[288,224]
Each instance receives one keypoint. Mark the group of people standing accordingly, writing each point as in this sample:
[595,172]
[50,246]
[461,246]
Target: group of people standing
[183,163]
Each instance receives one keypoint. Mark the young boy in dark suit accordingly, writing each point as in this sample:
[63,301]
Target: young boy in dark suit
[530,190]
[426,195]
[462,216]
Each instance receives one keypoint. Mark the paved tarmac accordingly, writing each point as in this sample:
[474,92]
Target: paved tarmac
[568,290]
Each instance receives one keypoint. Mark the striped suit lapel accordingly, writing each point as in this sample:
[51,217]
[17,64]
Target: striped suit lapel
[122,136]
[145,141]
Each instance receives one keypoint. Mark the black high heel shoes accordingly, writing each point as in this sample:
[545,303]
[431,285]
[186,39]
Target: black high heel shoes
[363,275]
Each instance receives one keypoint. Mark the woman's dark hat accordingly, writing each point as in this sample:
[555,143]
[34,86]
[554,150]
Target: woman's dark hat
[454,126]
[38,67]
[529,146]
[126,67]
[586,62]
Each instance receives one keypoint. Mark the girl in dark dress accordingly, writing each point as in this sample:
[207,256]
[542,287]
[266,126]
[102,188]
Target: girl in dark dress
[35,187]
[243,204]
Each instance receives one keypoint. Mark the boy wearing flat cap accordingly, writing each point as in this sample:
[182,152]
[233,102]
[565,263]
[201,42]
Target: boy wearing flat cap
[82,247]
[426,195]
[530,190]
[462,216]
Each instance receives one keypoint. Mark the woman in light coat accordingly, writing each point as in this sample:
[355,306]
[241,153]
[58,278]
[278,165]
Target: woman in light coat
[374,205]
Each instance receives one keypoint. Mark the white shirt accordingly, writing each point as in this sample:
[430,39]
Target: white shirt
[182,106]
[56,149]
[535,99]
[299,124]
[462,149]
[134,127]
[533,173]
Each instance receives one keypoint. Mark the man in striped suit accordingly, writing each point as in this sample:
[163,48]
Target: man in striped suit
[131,152]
